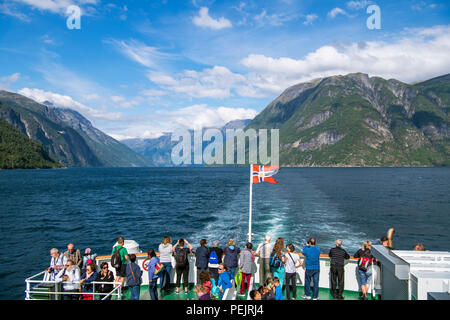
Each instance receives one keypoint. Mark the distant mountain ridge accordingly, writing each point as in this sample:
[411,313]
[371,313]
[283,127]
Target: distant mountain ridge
[357,120]
[65,134]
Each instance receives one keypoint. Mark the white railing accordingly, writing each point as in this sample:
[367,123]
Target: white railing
[117,290]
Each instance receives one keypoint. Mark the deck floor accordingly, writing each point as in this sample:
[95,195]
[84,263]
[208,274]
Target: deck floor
[324,294]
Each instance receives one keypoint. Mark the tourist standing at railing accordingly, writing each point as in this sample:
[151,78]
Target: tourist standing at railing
[87,257]
[121,268]
[277,260]
[152,277]
[337,260]
[230,257]
[293,262]
[182,263]
[69,276]
[263,252]
[165,257]
[312,255]
[246,264]
[365,258]
[86,281]
[215,259]
[134,278]
[57,263]
[105,275]
[74,255]
[388,240]
[201,258]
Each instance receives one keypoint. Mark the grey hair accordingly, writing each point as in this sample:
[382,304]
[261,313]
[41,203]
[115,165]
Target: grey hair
[338,242]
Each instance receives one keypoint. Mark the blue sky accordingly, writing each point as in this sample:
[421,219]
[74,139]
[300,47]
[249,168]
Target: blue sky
[139,68]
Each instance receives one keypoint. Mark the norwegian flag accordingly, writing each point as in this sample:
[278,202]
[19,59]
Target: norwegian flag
[264,173]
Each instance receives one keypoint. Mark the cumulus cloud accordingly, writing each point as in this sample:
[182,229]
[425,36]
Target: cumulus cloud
[205,20]
[64,101]
[216,82]
[420,54]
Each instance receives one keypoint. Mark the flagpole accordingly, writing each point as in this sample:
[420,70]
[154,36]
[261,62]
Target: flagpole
[250,206]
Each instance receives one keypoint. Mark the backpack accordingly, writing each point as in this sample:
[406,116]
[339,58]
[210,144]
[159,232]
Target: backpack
[364,261]
[274,261]
[181,257]
[213,259]
[116,259]
[158,267]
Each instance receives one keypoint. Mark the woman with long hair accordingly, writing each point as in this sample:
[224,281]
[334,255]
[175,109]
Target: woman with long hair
[364,266]
[165,257]
[278,254]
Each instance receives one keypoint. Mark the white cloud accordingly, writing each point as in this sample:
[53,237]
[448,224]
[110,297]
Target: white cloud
[420,54]
[6,81]
[138,52]
[358,5]
[205,20]
[335,12]
[310,18]
[275,19]
[10,10]
[56,6]
[64,101]
[216,82]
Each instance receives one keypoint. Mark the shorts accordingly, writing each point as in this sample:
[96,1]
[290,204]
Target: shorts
[364,276]
[122,271]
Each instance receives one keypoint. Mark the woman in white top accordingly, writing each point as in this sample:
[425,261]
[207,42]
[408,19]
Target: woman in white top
[165,257]
[292,263]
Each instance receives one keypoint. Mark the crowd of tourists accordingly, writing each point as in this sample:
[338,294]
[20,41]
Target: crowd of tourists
[217,269]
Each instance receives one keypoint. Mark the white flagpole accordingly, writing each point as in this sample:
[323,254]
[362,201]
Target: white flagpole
[250,206]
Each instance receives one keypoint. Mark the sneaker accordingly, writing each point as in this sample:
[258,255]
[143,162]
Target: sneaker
[306,297]
[177,291]
[341,297]
[315,298]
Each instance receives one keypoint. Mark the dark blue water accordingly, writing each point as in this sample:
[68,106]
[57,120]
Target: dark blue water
[91,207]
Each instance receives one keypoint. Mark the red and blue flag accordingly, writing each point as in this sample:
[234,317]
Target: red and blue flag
[264,173]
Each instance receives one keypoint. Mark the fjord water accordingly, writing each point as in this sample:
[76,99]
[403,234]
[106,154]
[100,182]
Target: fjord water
[91,207]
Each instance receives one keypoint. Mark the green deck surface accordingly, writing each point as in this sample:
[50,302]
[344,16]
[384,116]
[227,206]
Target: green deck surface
[324,294]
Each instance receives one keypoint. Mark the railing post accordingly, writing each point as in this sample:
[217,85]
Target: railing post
[119,292]
[27,292]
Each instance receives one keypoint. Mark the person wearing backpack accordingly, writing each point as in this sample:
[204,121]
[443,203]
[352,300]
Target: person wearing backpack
[230,257]
[119,258]
[312,255]
[153,274]
[215,259]
[277,260]
[181,253]
[364,266]
[292,263]
[201,258]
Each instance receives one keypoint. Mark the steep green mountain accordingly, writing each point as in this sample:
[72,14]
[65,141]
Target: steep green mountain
[65,134]
[20,152]
[357,120]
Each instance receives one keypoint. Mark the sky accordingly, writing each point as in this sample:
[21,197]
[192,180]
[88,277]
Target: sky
[139,68]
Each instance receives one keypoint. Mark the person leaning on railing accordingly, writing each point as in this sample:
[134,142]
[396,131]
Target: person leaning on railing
[86,281]
[70,278]
[105,275]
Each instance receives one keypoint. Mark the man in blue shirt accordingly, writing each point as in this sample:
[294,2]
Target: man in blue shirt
[312,255]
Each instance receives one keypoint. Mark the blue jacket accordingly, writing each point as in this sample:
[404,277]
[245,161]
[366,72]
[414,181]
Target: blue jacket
[137,275]
[312,254]
[224,280]
[202,257]
[87,284]
[151,268]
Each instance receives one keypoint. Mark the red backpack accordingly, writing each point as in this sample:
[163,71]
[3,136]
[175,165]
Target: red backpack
[365,261]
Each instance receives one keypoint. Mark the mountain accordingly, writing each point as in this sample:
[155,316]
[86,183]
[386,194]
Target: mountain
[65,134]
[158,150]
[20,152]
[357,120]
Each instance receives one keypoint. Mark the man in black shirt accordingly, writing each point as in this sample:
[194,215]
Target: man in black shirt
[337,256]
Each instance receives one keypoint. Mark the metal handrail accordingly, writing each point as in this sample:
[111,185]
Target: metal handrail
[117,291]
